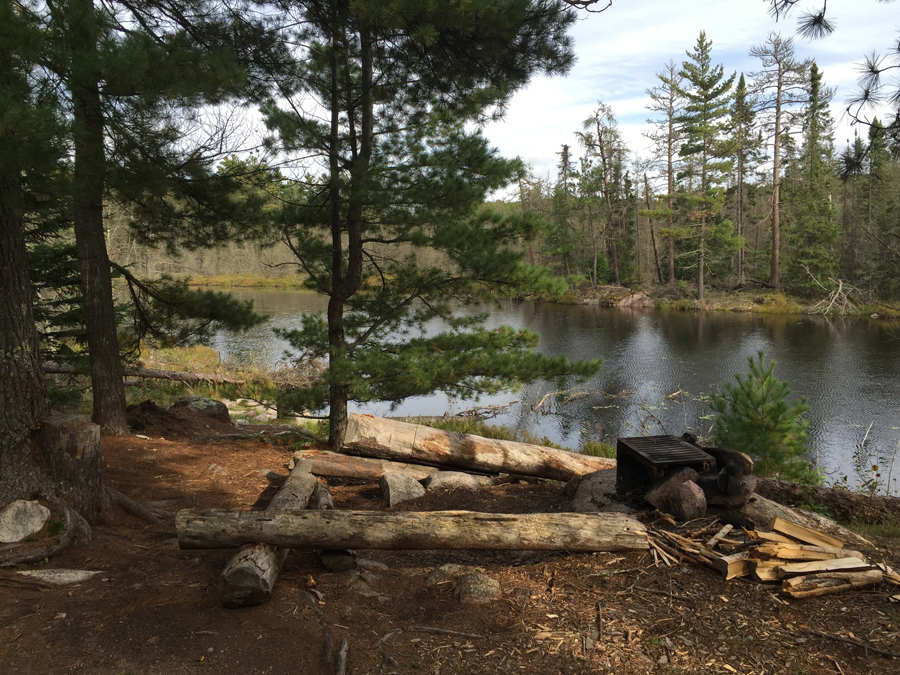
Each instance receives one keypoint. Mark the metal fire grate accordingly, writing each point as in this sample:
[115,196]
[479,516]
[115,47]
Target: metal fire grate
[643,459]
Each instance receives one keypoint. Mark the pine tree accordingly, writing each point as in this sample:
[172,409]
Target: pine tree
[812,232]
[707,94]
[781,84]
[743,145]
[563,240]
[31,156]
[754,416]
[668,101]
[135,75]
[385,220]
[602,140]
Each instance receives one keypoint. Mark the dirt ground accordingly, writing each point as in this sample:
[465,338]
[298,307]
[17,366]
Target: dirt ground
[154,609]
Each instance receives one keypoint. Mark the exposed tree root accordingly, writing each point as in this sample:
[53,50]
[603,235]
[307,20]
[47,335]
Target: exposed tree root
[146,512]
[76,529]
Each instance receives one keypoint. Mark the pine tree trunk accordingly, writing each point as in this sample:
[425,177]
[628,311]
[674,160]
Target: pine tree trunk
[700,265]
[66,464]
[615,259]
[776,188]
[23,392]
[740,215]
[659,276]
[96,285]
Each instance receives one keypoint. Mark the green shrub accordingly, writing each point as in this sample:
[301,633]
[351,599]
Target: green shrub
[754,416]
[598,449]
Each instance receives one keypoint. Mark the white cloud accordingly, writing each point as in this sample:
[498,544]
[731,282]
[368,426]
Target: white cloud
[620,50]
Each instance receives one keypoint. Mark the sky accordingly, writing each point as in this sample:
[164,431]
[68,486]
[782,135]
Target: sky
[620,50]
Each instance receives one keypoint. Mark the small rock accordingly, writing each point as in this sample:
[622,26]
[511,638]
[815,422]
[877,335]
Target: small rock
[452,480]
[60,577]
[367,564]
[241,421]
[22,519]
[476,588]
[262,417]
[398,487]
[338,560]
[446,573]
[214,470]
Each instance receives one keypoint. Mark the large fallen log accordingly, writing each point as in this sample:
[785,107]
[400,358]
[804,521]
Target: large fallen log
[250,576]
[388,439]
[333,464]
[411,531]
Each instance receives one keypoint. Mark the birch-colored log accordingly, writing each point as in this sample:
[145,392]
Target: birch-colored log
[249,577]
[398,441]
[411,530]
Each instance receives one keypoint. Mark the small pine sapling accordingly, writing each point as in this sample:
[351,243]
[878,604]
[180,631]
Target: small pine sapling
[755,417]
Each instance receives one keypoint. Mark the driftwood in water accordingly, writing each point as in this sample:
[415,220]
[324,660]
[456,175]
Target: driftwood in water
[250,576]
[409,531]
[388,439]
[333,464]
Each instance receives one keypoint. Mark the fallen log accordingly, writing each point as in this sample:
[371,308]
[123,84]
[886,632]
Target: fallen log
[398,441]
[411,531]
[150,373]
[828,583]
[249,577]
[333,464]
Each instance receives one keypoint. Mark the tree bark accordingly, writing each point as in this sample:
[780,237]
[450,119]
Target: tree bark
[388,439]
[23,391]
[249,577]
[65,461]
[412,531]
[88,181]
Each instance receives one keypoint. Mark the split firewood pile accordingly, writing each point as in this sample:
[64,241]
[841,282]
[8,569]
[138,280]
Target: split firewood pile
[806,562]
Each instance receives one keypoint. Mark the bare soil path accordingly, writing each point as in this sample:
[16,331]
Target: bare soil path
[153,608]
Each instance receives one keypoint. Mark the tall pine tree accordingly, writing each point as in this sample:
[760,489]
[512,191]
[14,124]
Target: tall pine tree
[385,221]
[706,91]
[812,232]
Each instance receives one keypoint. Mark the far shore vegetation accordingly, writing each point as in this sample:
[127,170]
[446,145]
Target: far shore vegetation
[680,297]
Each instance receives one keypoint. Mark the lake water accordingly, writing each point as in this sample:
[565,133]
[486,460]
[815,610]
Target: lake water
[658,367]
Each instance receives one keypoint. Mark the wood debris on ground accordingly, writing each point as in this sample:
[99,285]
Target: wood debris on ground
[805,561]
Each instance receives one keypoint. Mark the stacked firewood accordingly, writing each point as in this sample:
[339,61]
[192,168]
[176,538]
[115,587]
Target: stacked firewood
[807,562]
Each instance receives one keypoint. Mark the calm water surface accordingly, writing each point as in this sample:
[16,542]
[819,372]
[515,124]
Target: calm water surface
[849,371]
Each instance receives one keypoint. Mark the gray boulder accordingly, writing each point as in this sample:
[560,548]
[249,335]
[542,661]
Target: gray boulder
[22,519]
[591,492]
[398,487]
[218,409]
[452,480]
